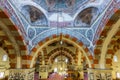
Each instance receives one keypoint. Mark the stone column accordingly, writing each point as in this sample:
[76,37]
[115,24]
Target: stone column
[43,72]
[79,58]
[114,75]
[43,59]
[91,74]
[81,75]
[18,61]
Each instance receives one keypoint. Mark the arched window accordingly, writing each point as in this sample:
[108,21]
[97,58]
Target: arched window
[56,60]
[4,57]
[118,75]
[1,75]
[55,69]
[86,17]
[115,58]
[66,60]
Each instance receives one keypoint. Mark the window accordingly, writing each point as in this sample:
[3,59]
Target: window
[118,75]
[66,60]
[115,58]
[1,74]
[4,58]
[55,69]
[56,60]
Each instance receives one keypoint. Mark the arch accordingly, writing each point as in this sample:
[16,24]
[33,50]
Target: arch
[106,40]
[11,33]
[34,15]
[24,3]
[89,5]
[80,10]
[67,38]
[79,37]
[86,17]
[67,52]
[108,14]
[53,56]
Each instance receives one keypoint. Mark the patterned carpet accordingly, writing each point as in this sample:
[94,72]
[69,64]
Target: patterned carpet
[55,76]
[36,77]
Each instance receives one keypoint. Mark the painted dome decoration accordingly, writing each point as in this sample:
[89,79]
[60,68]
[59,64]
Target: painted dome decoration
[34,16]
[58,13]
[86,17]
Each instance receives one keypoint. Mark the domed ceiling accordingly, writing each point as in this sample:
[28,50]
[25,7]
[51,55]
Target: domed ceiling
[59,13]
[78,18]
